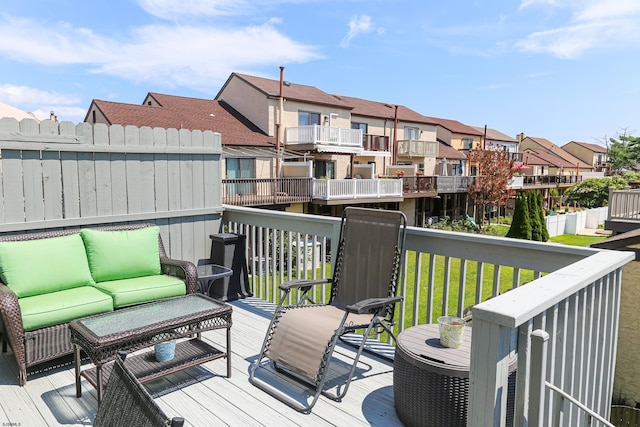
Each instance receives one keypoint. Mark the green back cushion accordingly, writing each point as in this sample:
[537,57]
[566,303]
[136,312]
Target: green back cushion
[34,267]
[122,254]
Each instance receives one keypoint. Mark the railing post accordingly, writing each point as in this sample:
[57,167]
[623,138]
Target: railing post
[537,379]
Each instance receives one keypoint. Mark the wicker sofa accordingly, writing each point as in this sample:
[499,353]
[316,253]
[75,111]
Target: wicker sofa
[50,278]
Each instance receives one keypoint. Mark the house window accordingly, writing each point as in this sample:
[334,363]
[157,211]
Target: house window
[467,143]
[324,169]
[243,168]
[361,126]
[307,118]
[411,133]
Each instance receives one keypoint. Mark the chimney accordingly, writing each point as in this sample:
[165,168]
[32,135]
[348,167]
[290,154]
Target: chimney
[52,117]
[520,137]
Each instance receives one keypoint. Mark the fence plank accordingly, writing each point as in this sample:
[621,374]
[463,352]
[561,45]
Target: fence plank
[13,188]
[52,183]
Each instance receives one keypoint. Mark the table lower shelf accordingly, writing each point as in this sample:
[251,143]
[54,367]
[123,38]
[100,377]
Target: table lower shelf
[144,366]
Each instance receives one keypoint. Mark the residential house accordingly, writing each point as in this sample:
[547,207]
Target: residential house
[345,137]
[249,155]
[592,154]
[567,163]
[458,135]
[495,138]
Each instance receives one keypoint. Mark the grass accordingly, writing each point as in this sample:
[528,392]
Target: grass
[576,240]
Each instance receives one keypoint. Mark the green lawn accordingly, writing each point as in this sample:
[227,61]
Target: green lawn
[576,240]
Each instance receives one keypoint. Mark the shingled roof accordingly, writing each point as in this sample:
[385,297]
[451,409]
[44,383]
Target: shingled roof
[382,110]
[593,147]
[455,126]
[291,91]
[559,152]
[187,113]
[495,135]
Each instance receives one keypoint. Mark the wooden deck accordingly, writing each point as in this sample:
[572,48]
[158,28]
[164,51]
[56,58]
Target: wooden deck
[203,395]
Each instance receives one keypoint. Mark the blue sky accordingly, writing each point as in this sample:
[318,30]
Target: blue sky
[558,69]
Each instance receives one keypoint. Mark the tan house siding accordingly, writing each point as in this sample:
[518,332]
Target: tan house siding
[250,102]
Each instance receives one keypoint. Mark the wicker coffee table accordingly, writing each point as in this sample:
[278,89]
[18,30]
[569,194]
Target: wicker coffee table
[431,382]
[142,326]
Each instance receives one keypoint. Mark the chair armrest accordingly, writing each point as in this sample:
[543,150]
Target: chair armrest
[184,270]
[370,304]
[302,284]
[13,329]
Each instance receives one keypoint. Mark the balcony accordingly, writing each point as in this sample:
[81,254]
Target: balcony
[454,184]
[324,139]
[337,191]
[376,143]
[550,181]
[268,191]
[416,148]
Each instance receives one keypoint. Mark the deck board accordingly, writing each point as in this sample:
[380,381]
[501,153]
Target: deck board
[203,395]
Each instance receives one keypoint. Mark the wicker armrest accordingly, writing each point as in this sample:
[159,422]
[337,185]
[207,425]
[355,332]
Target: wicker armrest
[13,329]
[184,270]
[371,304]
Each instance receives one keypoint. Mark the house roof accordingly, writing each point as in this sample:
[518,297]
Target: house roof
[550,158]
[187,113]
[455,126]
[445,151]
[593,147]
[559,152]
[495,135]
[382,110]
[10,111]
[530,157]
[292,91]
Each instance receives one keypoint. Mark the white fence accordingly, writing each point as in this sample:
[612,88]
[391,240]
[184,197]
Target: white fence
[57,175]
[572,223]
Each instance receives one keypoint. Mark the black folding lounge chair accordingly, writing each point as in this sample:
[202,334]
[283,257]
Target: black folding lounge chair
[127,403]
[302,337]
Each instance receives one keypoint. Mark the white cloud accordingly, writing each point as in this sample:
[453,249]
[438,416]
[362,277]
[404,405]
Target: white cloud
[594,24]
[172,9]
[199,57]
[25,95]
[358,25]
[41,103]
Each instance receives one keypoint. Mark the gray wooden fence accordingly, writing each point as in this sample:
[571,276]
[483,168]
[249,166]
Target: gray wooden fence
[55,175]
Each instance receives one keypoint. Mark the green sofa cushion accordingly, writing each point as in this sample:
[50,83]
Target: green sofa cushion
[33,267]
[55,308]
[142,289]
[122,254]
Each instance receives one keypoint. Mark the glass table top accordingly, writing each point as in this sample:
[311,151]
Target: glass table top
[143,315]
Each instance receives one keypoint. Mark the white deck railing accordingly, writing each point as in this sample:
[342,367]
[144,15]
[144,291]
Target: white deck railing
[624,204]
[324,135]
[573,295]
[331,189]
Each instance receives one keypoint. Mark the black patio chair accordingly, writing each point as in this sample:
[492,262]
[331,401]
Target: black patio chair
[302,337]
[127,403]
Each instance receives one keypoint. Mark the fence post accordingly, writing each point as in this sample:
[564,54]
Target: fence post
[537,378]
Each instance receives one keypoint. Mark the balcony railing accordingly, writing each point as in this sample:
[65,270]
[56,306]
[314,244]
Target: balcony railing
[267,191]
[624,204]
[334,189]
[454,184]
[375,143]
[417,148]
[551,180]
[317,135]
[571,293]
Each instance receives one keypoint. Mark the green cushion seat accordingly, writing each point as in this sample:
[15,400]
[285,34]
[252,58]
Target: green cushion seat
[55,308]
[33,267]
[142,289]
[122,254]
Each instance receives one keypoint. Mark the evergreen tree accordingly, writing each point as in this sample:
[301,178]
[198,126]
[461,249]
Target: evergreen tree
[536,227]
[521,224]
[543,223]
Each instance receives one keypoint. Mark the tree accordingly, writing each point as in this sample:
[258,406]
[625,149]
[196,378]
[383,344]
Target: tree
[521,223]
[536,224]
[545,231]
[491,185]
[623,153]
[594,192]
